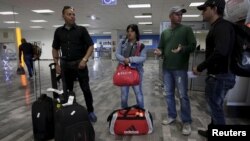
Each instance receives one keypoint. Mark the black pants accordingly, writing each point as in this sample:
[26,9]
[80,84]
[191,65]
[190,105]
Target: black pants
[70,71]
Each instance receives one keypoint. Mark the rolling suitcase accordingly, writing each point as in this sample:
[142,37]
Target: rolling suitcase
[42,112]
[72,123]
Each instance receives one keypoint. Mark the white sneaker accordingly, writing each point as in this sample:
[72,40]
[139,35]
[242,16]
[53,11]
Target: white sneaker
[168,121]
[186,129]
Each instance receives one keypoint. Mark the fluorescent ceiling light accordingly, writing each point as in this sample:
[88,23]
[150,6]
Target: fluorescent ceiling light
[106,33]
[38,21]
[139,5]
[57,25]
[8,13]
[148,32]
[143,16]
[190,16]
[91,33]
[12,27]
[145,23]
[43,11]
[11,22]
[36,27]
[196,4]
[84,24]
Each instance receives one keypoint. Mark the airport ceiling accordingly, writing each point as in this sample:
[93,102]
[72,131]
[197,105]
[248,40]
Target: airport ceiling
[109,17]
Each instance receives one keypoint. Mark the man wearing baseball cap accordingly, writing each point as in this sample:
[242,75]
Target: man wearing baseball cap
[176,44]
[219,45]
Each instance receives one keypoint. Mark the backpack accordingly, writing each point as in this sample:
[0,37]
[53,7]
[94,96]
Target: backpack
[37,51]
[240,57]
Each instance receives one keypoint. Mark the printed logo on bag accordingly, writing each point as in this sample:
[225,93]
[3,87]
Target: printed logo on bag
[131,130]
[124,73]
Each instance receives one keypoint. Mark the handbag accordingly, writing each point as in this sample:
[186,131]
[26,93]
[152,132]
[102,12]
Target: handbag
[126,76]
[20,70]
[130,121]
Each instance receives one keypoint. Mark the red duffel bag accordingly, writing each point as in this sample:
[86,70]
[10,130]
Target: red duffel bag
[130,121]
[126,76]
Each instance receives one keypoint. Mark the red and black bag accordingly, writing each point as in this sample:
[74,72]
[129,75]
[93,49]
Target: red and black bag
[130,121]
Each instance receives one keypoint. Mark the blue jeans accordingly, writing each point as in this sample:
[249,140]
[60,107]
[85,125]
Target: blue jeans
[216,89]
[29,63]
[172,79]
[138,93]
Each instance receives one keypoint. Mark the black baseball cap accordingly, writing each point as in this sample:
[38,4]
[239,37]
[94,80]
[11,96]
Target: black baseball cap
[218,3]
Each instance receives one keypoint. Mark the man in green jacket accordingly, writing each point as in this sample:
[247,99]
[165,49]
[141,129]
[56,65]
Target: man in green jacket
[176,44]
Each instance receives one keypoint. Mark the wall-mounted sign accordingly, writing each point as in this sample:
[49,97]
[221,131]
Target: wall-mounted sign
[106,43]
[109,2]
[147,42]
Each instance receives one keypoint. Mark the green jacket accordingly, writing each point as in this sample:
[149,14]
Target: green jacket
[170,39]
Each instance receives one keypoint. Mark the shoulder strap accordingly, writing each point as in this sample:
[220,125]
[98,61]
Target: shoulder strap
[139,49]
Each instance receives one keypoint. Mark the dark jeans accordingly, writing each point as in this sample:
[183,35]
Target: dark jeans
[70,71]
[29,63]
[216,89]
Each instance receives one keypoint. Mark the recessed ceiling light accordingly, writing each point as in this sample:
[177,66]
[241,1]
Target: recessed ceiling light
[143,16]
[139,5]
[145,23]
[43,11]
[190,16]
[11,22]
[196,4]
[93,17]
[91,33]
[8,13]
[38,21]
[36,27]
[84,24]
[148,32]
[57,25]
[106,32]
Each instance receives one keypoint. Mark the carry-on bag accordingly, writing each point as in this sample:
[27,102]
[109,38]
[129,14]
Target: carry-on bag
[126,76]
[20,70]
[42,112]
[130,121]
[72,124]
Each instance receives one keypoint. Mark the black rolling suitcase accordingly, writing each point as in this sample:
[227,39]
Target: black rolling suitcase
[71,121]
[42,112]
[72,124]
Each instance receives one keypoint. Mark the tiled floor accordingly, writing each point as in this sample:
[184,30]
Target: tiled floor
[17,95]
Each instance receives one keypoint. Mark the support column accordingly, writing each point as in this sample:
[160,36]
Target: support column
[18,37]
[115,39]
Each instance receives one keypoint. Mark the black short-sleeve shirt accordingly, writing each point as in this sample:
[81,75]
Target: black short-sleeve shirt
[73,42]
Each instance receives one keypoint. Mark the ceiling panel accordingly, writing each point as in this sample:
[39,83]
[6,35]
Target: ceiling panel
[111,17]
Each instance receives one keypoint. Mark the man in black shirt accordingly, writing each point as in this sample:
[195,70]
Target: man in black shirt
[76,47]
[27,50]
[219,45]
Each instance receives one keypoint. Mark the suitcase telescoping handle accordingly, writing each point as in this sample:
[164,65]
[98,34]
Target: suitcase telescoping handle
[35,75]
[52,67]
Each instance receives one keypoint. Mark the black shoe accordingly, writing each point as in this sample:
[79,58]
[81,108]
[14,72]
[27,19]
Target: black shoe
[203,133]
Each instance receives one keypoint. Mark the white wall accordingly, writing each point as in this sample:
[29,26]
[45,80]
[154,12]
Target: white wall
[7,35]
[240,94]
[201,39]
[46,39]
